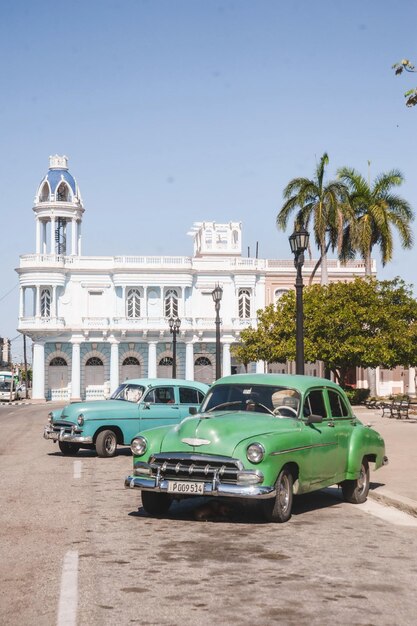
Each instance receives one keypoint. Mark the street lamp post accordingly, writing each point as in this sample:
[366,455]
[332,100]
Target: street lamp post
[217,294]
[174,326]
[299,243]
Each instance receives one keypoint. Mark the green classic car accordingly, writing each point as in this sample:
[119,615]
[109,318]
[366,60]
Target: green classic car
[259,436]
[136,404]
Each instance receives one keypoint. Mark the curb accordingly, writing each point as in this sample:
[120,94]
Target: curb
[383,496]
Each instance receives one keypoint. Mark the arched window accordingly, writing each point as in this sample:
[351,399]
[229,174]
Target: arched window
[58,361]
[62,194]
[167,360]
[171,303]
[95,361]
[209,239]
[202,360]
[133,303]
[235,238]
[244,303]
[45,193]
[45,303]
[278,294]
[131,360]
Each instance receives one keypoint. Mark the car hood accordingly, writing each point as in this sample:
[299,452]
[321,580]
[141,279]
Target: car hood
[96,408]
[221,434]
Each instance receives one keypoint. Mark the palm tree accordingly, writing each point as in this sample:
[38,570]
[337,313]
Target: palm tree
[319,203]
[376,211]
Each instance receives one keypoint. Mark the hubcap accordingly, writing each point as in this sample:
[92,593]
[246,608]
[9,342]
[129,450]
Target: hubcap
[284,493]
[110,443]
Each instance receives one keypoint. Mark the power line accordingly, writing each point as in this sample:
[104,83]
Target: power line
[6,294]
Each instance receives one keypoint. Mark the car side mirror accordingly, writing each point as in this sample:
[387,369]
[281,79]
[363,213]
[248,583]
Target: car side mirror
[193,410]
[314,419]
[146,405]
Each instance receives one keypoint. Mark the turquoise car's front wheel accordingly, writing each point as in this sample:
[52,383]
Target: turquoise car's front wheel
[155,503]
[106,443]
[279,509]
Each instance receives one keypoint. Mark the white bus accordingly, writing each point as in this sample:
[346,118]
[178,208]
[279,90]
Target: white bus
[8,386]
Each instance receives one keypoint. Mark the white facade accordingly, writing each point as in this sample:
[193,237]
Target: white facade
[95,321]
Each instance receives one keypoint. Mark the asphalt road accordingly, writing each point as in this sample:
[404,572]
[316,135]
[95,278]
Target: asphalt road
[75,550]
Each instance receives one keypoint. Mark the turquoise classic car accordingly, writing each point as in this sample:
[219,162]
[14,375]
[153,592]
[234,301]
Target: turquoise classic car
[260,436]
[135,405]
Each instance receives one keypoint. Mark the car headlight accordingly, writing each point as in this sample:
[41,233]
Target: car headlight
[80,419]
[50,417]
[138,446]
[255,452]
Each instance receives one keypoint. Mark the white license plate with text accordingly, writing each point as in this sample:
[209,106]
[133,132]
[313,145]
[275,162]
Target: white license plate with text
[185,487]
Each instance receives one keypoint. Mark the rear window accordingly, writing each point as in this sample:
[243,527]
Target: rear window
[337,404]
[189,395]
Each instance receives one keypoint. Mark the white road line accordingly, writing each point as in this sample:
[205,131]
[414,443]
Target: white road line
[386,513]
[68,597]
[78,465]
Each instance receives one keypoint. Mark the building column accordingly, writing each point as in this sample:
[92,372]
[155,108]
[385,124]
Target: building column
[114,365]
[73,236]
[38,236]
[38,383]
[260,367]
[189,360]
[79,238]
[54,303]
[38,301]
[152,369]
[227,364]
[76,373]
[22,302]
[52,242]
[412,381]
[44,246]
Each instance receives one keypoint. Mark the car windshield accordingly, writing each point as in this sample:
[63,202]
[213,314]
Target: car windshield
[128,392]
[280,401]
[5,386]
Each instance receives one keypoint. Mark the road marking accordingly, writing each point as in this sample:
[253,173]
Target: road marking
[77,469]
[68,597]
[386,513]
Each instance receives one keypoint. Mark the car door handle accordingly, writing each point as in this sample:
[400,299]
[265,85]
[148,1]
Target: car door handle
[331,424]
[175,407]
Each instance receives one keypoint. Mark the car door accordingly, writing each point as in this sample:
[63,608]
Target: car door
[323,456]
[189,397]
[342,424]
[160,406]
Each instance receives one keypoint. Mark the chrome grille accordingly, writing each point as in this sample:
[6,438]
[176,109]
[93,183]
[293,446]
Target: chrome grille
[193,466]
[67,428]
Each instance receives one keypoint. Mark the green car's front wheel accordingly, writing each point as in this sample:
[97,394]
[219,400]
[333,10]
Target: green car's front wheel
[106,443]
[279,509]
[155,503]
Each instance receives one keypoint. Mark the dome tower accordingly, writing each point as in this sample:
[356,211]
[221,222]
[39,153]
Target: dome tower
[58,205]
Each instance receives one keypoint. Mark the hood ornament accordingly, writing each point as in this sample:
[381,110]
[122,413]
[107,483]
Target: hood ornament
[191,441]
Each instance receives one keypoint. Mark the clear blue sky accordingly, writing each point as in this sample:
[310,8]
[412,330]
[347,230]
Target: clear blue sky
[175,111]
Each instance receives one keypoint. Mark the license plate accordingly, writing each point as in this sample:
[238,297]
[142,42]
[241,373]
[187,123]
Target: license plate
[185,487]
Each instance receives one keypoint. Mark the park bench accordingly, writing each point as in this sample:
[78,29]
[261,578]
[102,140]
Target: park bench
[397,408]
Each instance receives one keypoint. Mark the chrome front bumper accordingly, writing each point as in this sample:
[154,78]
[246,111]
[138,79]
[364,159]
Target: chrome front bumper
[210,488]
[72,437]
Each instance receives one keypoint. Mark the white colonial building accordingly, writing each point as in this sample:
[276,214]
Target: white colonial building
[95,321]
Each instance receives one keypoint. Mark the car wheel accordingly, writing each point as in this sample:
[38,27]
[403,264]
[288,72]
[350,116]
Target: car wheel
[106,443]
[155,503]
[356,491]
[67,448]
[279,509]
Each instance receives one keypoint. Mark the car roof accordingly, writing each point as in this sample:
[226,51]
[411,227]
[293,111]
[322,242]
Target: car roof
[294,381]
[167,381]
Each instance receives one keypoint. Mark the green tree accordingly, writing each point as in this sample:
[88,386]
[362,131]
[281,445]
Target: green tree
[364,323]
[317,202]
[376,211]
[406,66]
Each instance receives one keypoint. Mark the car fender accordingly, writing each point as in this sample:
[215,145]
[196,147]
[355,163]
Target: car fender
[364,442]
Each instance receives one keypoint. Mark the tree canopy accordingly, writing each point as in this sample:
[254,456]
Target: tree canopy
[406,66]
[365,323]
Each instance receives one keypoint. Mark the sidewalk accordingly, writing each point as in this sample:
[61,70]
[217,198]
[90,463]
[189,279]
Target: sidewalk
[396,483]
